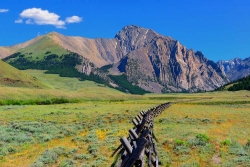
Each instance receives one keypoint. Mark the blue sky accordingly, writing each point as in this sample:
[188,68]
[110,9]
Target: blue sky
[218,28]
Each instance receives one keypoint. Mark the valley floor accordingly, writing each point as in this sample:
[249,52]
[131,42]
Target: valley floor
[203,129]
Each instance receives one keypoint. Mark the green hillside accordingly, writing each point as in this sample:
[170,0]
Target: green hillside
[10,76]
[241,84]
[39,49]
[54,81]
[66,88]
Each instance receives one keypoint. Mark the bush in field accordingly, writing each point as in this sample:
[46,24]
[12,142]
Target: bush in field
[77,139]
[37,164]
[48,157]
[100,161]
[93,149]
[44,138]
[178,142]
[226,142]
[237,149]
[243,161]
[70,152]
[79,156]
[207,149]
[202,137]
[91,137]
[182,149]
[83,156]
[59,150]
[67,163]
[4,151]
[68,130]
[199,140]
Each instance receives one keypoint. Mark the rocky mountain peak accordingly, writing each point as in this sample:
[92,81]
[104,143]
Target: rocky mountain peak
[235,68]
[227,65]
[134,37]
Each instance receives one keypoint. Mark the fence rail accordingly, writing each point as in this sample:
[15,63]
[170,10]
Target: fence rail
[141,140]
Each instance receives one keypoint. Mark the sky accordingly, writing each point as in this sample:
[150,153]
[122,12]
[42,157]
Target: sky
[218,28]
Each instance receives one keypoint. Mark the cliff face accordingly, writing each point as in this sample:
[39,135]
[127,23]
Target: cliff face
[161,63]
[235,68]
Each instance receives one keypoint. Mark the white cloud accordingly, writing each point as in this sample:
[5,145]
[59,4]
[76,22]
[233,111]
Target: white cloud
[44,17]
[73,19]
[4,10]
[19,21]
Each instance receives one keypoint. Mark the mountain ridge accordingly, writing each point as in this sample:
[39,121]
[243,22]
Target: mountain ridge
[235,68]
[154,62]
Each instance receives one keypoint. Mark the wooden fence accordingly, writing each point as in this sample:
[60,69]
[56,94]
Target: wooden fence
[140,144]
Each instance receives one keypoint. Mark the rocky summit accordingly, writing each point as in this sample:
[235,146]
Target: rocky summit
[161,64]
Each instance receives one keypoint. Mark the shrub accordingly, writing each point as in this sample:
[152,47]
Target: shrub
[91,137]
[83,156]
[100,161]
[207,149]
[93,149]
[48,157]
[44,138]
[4,151]
[37,164]
[199,140]
[202,137]
[226,142]
[243,160]
[59,150]
[70,152]
[24,138]
[237,149]
[79,156]
[11,149]
[178,142]
[77,139]
[67,163]
[182,149]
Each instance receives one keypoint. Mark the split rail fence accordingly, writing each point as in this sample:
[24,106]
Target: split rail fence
[140,144]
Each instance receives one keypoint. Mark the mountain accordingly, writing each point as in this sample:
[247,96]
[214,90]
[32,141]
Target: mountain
[161,64]
[10,76]
[235,68]
[143,57]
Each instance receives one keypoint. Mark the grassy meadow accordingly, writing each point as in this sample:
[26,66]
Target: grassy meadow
[200,129]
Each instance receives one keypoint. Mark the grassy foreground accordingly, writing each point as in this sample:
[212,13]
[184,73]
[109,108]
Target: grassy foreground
[213,130]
